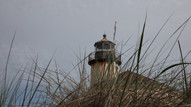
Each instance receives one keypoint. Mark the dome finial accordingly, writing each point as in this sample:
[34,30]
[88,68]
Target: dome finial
[104,35]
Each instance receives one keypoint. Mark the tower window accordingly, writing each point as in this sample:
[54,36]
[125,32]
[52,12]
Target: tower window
[99,46]
[106,46]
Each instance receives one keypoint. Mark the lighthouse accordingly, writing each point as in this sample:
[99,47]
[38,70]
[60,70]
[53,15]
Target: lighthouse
[104,61]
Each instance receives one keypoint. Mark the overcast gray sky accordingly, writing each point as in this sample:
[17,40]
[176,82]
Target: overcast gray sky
[71,26]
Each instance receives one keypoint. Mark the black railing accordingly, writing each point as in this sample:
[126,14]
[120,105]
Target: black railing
[104,56]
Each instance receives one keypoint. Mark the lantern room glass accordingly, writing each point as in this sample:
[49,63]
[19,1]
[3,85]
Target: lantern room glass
[104,46]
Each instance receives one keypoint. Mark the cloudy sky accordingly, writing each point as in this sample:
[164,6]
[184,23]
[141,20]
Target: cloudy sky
[67,28]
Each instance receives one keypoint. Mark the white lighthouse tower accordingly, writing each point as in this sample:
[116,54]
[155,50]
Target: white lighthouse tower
[104,61]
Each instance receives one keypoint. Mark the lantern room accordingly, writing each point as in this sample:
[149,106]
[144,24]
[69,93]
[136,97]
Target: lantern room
[104,45]
[104,52]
